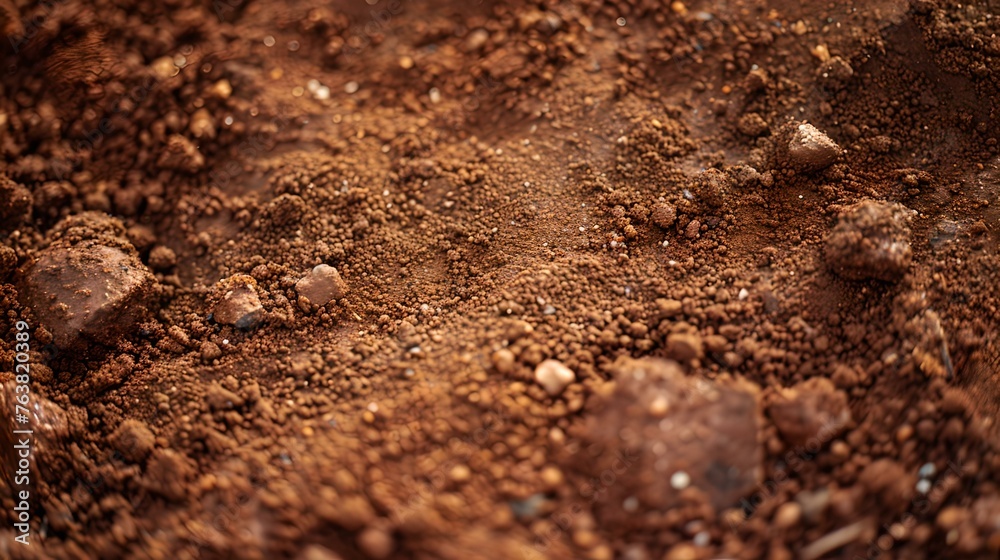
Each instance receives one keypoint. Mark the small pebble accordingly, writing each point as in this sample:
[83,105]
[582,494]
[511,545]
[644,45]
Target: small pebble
[552,477]
[821,52]
[376,543]
[476,39]
[788,515]
[504,361]
[528,507]
[683,551]
[923,486]
[950,517]
[222,89]
[321,285]
[927,470]
[460,473]
[702,539]
[680,480]
[553,376]
[685,347]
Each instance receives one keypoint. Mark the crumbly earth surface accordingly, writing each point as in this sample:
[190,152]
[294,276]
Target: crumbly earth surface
[655,195]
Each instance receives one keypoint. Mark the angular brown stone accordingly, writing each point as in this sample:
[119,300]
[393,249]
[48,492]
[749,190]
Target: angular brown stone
[322,285]
[89,284]
[810,150]
[239,305]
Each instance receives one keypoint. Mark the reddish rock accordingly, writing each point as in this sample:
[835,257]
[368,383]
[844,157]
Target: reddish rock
[89,284]
[239,304]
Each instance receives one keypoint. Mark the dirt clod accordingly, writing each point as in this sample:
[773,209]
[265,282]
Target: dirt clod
[133,440]
[870,240]
[376,543]
[834,73]
[168,473]
[162,258]
[670,433]
[504,361]
[709,187]
[8,261]
[752,124]
[663,215]
[684,347]
[15,203]
[811,410]
[887,480]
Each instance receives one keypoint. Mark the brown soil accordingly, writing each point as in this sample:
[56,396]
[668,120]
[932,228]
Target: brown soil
[635,279]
